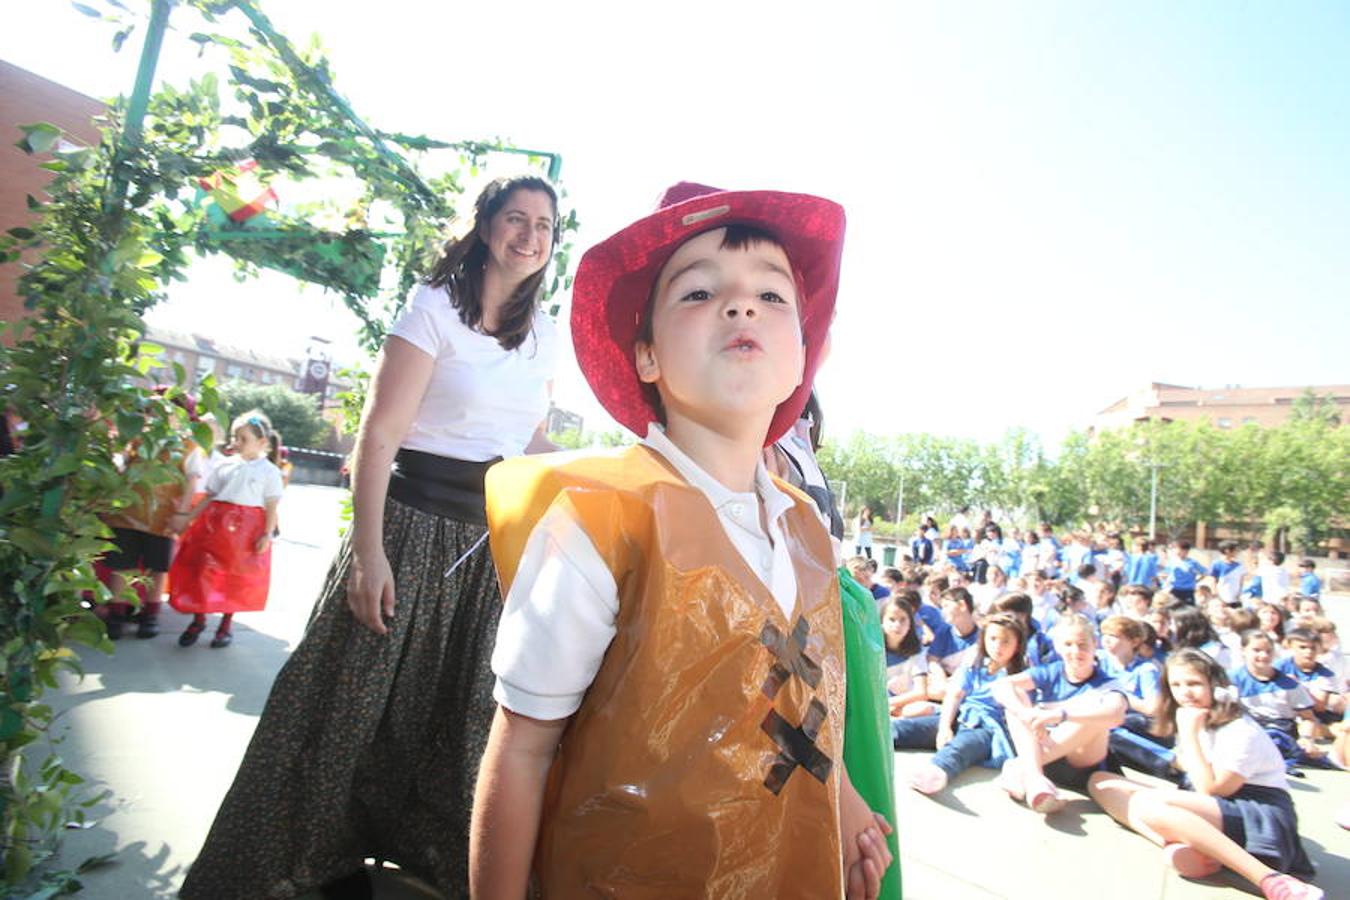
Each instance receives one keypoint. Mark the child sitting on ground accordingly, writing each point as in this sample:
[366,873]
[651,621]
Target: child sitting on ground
[970,730]
[1276,700]
[1304,645]
[1059,716]
[906,663]
[1237,812]
[671,636]
[1039,648]
[951,645]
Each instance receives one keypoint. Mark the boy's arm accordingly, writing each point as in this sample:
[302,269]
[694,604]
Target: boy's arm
[507,803]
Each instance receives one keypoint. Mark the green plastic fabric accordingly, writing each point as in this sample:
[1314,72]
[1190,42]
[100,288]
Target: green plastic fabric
[868,754]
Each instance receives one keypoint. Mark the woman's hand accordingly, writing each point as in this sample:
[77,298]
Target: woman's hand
[370,590]
[262,543]
[944,735]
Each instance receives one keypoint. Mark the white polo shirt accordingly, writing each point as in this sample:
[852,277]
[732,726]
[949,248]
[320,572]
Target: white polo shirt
[559,616]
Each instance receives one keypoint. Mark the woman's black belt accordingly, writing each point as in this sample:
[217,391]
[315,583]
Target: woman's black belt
[450,488]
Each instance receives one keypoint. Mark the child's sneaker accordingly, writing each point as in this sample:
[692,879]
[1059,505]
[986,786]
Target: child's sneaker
[1277,886]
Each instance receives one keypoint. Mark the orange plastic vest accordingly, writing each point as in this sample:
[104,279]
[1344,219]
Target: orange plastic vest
[705,758]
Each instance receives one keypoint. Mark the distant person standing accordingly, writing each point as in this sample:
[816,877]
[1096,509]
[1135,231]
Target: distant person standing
[224,563]
[863,533]
[370,741]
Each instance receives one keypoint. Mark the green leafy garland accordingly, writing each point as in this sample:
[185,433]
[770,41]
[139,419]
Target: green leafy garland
[96,263]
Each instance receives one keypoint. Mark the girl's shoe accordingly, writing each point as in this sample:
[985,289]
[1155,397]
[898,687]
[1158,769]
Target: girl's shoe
[222,639]
[189,637]
[147,626]
[928,779]
[1189,862]
[1277,886]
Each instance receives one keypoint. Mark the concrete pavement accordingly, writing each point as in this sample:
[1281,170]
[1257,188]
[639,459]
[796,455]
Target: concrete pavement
[164,727]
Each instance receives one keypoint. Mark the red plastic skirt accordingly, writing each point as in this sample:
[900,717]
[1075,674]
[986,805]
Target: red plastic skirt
[216,569]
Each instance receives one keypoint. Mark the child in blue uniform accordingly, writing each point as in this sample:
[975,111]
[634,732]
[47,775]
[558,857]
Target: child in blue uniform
[1308,583]
[906,663]
[1237,812]
[1182,572]
[1276,700]
[1063,710]
[1304,646]
[1039,648]
[971,729]
[959,632]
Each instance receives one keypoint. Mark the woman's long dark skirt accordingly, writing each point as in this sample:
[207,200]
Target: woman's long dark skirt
[369,744]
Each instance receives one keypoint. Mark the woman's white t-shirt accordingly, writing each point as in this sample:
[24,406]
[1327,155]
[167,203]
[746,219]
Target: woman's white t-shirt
[482,401]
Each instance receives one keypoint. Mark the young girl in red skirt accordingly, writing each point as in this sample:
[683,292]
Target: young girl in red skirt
[224,561]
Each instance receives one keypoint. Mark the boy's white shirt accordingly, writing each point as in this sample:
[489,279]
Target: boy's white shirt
[559,616]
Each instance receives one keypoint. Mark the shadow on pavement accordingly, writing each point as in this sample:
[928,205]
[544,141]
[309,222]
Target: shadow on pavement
[243,671]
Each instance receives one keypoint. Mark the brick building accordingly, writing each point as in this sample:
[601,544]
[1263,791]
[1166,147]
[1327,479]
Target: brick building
[25,99]
[1225,407]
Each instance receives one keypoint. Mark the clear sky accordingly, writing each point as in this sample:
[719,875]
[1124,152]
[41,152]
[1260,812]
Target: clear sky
[1050,204]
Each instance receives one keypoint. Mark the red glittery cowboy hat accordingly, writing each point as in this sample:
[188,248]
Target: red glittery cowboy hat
[615,279]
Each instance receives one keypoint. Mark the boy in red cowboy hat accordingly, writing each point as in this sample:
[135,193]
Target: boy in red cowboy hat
[669,660]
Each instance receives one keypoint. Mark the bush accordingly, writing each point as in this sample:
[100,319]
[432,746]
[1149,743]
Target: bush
[294,414]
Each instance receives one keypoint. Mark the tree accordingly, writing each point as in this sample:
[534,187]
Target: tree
[1311,406]
[292,413]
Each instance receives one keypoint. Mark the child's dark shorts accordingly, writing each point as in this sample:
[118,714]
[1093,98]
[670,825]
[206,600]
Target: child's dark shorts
[138,549]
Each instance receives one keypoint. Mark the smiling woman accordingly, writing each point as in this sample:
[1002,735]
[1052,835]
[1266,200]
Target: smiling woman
[370,741]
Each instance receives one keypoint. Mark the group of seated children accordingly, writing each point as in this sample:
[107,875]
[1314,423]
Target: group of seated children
[1055,691]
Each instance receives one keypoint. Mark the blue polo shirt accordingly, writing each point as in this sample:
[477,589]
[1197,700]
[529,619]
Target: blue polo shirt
[1053,686]
[1141,678]
[948,647]
[1183,573]
[1141,568]
[1310,585]
[1278,700]
[1320,678]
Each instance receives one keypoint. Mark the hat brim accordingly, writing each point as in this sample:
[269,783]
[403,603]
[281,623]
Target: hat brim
[615,278]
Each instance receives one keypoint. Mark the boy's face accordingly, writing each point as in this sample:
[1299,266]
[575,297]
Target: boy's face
[1304,653]
[726,334]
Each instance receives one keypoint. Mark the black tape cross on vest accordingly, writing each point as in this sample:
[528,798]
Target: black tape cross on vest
[789,657]
[797,746]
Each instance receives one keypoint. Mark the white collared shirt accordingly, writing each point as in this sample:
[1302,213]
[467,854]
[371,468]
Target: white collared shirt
[559,616]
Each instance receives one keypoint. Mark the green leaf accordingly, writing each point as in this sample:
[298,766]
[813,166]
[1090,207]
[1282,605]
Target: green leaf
[23,234]
[10,723]
[38,138]
[87,10]
[29,541]
[121,37]
[18,862]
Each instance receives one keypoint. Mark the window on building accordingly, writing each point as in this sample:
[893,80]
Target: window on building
[1224,422]
[206,365]
[233,371]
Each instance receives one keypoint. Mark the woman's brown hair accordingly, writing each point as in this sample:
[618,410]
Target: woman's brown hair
[1223,709]
[460,269]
